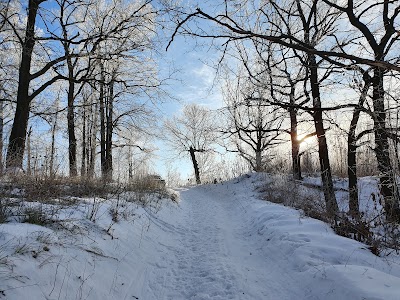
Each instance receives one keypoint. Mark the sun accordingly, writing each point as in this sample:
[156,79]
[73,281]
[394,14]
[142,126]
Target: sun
[305,142]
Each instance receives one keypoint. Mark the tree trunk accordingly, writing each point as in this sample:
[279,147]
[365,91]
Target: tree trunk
[130,164]
[29,155]
[396,146]
[351,155]
[352,165]
[16,144]
[102,126]
[258,166]
[92,140]
[73,171]
[195,165]
[295,145]
[53,145]
[84,149]
[387,178]
[109,130]
[326,174]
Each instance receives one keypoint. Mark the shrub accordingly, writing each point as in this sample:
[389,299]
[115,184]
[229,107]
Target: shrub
[46,189]
[4,211]
[39,215]
[286,191]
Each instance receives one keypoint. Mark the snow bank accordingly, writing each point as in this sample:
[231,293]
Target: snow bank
[330,266]
[220,242]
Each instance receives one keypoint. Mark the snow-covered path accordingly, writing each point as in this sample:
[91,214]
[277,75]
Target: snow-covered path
[214,254]
[208,255]
[199,264]
[219,243]
[215,257]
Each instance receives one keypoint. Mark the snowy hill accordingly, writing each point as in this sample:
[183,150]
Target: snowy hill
[219,242]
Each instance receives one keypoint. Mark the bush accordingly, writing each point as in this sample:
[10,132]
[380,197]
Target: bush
[286,191]
[39,215]
[147,184]
[371,227]
[45,188]
[4,211]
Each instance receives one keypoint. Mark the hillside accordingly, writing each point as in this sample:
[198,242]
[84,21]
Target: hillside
[219,241]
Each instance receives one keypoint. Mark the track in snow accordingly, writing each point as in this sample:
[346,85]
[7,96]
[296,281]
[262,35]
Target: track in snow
[222,243]
[206,253]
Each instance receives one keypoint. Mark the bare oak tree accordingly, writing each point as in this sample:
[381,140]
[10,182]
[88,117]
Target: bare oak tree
[252,126]
[192,132]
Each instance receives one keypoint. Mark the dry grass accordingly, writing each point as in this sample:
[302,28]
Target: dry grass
[47,188]
[4,211]
[39,215]
[381,236]
[286,191]
[49,193]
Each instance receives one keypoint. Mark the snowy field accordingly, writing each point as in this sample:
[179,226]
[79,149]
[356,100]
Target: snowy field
[219,242]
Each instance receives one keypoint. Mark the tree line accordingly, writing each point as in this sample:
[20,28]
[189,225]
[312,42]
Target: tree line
[293,54]
[91,62]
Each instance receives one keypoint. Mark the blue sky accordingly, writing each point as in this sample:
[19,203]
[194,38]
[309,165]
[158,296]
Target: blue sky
[194,83]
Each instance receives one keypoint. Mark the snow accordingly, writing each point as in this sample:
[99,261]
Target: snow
[367,186]
[219,242]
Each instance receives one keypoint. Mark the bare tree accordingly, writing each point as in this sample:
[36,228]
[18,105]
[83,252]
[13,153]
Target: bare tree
[192,132]
[77,41]
[8,67]
[285,77]
[352,145]
[253,127]
[316,24]
[16,144]
[131,48]
[231,20]
[383,47]
[67,19]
